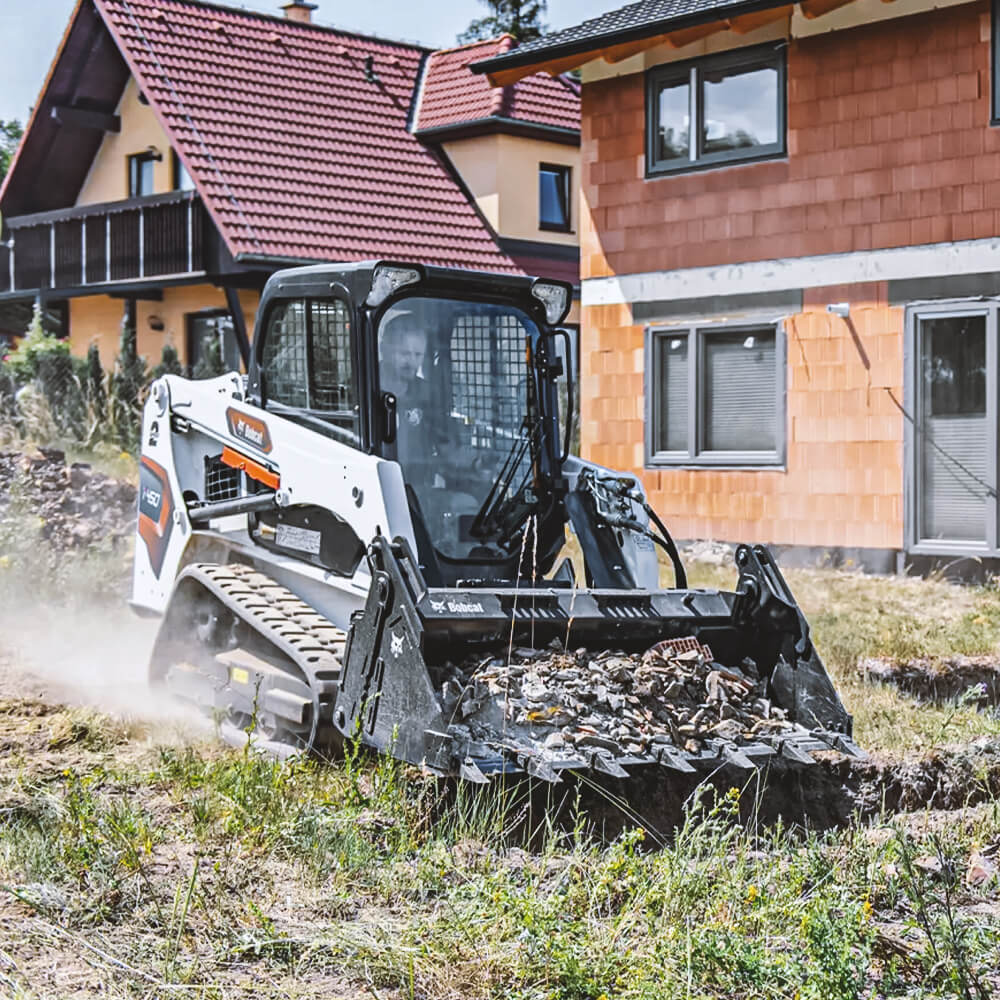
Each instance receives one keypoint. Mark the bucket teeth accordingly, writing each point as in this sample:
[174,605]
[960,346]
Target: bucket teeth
[790,750]
[542,770]
[737,758]
[668,758]
[469,770]
[606,765]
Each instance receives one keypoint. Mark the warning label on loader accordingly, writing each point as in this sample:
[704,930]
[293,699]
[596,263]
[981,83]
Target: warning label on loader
[300,539]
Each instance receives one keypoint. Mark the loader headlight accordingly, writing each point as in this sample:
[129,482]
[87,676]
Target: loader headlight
[389,278]
[554,297]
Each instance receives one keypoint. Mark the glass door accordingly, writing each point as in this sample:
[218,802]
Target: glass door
[954,440]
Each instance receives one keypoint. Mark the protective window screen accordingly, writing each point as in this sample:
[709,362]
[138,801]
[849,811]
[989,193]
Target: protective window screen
[671,414]
[284,366]
[332,381]
[739,391]
[489,377]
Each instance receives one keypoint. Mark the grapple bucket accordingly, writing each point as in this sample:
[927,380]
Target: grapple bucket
[480,681]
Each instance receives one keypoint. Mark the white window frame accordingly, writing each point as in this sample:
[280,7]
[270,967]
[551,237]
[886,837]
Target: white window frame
[695,455]
[913,390]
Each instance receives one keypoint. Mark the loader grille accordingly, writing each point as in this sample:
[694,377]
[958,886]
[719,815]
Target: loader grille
[331,338]
[490,380]
[221,481]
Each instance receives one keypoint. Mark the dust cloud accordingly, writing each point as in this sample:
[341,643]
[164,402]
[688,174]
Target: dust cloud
[90,655]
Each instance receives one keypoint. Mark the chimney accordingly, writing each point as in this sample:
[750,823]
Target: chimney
[299,10]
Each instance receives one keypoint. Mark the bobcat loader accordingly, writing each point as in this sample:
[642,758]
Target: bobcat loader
[386,495]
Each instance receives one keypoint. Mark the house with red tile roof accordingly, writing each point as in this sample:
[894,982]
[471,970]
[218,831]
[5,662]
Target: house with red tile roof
[180,152]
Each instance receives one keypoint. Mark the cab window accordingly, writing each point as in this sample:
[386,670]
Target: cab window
[306,362]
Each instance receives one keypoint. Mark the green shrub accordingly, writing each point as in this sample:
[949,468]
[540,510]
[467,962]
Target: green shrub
[44,361]
[128,382]
[170,363]
[210,363]
[96,383]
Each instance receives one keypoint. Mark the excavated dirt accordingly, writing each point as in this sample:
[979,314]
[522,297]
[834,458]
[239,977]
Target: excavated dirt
[975,679]
[78,507]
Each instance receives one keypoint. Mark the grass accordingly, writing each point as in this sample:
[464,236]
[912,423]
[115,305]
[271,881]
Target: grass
[130,868]
[199,864]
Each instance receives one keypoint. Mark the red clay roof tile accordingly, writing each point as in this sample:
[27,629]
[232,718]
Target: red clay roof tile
[296,152]
[453,95]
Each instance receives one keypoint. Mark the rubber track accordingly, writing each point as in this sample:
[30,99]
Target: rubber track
[296,629]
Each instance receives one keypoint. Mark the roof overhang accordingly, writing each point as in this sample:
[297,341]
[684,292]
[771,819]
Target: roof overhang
[75,107]
[619,45]
[497,124]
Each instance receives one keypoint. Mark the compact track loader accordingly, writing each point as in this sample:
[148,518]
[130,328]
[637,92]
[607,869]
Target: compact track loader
[365,537]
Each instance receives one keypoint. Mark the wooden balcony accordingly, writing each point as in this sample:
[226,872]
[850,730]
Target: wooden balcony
[104,246]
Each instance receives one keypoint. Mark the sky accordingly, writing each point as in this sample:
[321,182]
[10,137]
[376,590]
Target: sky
[30,31]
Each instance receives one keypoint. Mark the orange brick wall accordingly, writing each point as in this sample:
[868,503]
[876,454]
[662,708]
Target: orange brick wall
[843,482]
[889,145]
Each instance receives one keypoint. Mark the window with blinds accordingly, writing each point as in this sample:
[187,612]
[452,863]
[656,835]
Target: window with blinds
[714,396]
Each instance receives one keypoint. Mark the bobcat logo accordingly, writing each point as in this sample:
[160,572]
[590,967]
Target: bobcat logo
[414,416]
[396,644]
[437,606]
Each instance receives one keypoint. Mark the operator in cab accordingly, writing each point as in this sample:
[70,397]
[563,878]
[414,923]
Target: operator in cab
[404,367]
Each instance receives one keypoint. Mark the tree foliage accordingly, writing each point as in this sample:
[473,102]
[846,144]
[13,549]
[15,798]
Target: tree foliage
[520,18]
[10,136]
[128,382]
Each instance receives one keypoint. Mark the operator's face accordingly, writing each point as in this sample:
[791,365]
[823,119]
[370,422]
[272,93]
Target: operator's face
[406,355]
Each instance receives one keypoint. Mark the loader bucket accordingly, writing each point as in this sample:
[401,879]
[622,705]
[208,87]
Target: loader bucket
[480,681]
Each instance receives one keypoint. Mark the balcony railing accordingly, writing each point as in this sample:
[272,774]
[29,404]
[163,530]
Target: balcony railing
[96,245]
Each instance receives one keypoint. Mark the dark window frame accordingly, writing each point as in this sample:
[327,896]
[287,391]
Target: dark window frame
[134,160]
[695,455]
[565,173]
[693,70]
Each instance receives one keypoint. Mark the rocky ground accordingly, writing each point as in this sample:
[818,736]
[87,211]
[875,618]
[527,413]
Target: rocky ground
[78,507]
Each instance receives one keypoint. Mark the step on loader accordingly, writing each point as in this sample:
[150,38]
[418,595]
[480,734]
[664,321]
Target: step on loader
[369,536]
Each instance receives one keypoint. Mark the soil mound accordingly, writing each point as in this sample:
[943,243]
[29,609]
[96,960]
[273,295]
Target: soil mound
[78,506]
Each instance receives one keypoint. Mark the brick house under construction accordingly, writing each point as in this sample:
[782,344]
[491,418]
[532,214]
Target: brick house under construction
[791,309]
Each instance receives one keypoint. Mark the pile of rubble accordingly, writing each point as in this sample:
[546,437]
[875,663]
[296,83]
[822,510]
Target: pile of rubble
[673,695]
[77,507]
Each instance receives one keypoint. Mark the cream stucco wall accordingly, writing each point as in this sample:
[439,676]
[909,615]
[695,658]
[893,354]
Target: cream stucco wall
[501,171]
[98,318]
[108,176]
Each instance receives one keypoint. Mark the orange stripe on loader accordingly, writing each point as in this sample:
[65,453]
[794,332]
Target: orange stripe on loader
[253,469]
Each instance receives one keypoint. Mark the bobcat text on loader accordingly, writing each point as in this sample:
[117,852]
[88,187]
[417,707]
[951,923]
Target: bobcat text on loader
[386,494]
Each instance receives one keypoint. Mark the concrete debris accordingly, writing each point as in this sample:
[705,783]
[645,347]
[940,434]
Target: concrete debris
[77,507]
[570,702]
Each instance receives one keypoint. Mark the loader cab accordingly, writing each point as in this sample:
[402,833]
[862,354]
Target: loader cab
[449,373]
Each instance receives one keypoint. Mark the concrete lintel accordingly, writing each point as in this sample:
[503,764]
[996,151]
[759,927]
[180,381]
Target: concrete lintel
[926,261]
